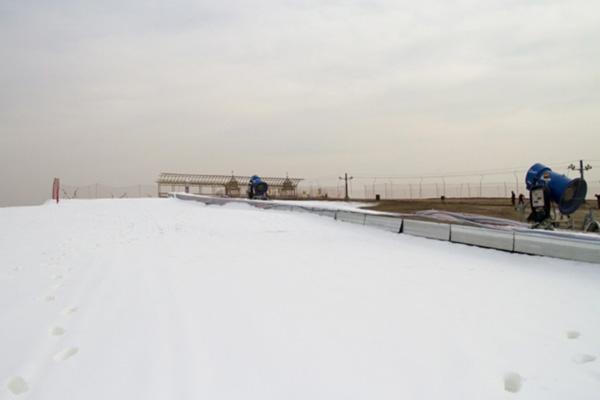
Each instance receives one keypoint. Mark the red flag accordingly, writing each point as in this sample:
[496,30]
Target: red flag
[55,189]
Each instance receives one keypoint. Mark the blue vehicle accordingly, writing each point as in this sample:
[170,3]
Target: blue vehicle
[257,188]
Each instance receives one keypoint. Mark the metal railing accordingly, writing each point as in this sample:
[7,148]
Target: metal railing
[565,245]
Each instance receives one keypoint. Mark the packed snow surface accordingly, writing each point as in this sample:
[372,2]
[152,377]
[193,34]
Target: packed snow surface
[166,299]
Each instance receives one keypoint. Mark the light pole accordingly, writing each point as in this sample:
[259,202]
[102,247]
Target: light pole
[581,168]
[346,179]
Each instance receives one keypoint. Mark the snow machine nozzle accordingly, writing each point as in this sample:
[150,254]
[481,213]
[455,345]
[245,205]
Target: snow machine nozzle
[257,188]
[568,193]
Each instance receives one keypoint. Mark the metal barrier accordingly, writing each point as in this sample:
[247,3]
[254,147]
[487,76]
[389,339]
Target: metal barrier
[569,246]
[483,237]
[391,224]
[558,246]
[326,213]
[349,216]
[430,230]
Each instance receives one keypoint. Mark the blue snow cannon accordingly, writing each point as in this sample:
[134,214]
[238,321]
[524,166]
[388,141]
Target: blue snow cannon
[569,194]
[257,188]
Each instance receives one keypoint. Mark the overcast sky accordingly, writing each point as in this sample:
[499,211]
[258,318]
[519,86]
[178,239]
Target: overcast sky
[117,91]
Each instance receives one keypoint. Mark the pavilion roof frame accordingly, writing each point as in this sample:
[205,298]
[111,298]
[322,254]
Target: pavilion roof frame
[170,178]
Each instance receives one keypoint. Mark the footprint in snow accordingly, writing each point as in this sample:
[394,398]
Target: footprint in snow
[573,334]
[583,358]
[69,311]
[66,354]
[56,331]
[17,385]
[512,382]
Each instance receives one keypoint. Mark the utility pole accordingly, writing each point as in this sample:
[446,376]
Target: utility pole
[581,168]
[346,179]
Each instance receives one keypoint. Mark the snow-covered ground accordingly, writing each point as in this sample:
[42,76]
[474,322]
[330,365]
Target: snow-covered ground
[166,299]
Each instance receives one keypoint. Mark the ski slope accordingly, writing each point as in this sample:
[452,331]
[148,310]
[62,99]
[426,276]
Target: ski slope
[166,299]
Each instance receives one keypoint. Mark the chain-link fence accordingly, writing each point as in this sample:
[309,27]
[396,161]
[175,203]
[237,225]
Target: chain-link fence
[465,184]
[365,189]
[99,191]
[357,188]
[361,187]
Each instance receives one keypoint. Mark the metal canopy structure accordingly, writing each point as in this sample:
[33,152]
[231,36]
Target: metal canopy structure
[228,185]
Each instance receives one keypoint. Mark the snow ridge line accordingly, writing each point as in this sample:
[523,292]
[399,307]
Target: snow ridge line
[564,245]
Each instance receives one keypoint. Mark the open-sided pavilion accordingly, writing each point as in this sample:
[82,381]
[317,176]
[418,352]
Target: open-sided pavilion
[227,185]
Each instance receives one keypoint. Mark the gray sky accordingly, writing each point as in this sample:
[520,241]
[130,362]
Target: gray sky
[118,91]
